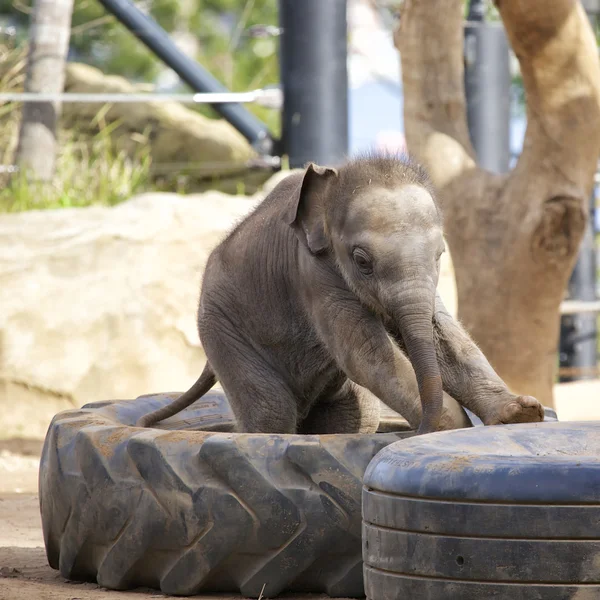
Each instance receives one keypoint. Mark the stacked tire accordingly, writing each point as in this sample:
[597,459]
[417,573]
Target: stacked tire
[509,512]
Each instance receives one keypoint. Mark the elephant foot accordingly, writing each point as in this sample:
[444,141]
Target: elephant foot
[517,409]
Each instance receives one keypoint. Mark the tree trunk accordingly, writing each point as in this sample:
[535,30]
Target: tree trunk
[513,238]
[49,36]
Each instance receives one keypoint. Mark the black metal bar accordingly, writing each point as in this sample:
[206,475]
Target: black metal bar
[315,81]
[487,89]
[155,38]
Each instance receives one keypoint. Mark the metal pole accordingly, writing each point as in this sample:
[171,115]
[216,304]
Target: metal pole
[487,89]
[155,38]
[315,81]
[578,349]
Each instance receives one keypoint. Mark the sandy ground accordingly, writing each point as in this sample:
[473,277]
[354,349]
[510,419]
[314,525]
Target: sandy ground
[24,571]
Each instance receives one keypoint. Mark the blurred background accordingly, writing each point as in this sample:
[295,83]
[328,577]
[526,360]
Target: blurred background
[110,205]
[238,42]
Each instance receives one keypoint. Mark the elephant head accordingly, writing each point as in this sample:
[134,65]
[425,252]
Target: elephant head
[380,226]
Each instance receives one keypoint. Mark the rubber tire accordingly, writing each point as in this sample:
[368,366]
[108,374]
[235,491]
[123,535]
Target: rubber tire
[508,512]
[191,511]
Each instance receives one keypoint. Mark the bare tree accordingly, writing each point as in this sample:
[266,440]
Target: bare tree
[48,45]
[513,238]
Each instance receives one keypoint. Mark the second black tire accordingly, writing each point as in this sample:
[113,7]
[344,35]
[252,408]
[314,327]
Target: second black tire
[509,512]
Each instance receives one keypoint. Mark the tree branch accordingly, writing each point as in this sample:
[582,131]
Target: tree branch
[558,55]
[430,41]
[513,238]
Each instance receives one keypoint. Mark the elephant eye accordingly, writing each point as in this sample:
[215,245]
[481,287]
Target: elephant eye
[363,261]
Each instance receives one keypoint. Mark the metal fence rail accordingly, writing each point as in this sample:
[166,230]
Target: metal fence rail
[268,97]
[572,307]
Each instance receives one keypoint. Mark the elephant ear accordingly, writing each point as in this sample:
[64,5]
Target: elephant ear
[306,210]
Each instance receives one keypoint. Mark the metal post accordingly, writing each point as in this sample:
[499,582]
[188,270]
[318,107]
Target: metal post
[315,81]
[579,331]
[155,38]
[487,89]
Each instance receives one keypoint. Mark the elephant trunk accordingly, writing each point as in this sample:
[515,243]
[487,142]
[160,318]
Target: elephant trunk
[415,322]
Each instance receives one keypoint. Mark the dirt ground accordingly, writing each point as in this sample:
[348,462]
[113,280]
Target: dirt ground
[24,571]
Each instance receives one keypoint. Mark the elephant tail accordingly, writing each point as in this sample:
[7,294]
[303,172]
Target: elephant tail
[206,380]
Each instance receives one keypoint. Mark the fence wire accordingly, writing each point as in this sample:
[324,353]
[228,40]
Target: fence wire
[268,97]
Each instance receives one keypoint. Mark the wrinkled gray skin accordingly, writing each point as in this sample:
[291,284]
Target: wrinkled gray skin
[324,299]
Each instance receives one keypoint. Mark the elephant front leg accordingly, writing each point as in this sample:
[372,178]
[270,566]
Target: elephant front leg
[364,351]
[468,376]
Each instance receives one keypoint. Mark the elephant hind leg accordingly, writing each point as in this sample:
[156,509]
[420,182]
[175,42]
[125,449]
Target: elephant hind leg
[351,409]
[260,406]
[259,397]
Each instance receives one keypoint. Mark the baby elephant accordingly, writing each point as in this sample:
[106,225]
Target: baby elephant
[323,300]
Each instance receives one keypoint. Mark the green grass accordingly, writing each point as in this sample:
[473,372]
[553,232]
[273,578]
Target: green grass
[90,168]
[89,171]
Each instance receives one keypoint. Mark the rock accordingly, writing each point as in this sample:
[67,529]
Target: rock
[183,142]
[270,184]
[177,131]
[184,145]
[100,303]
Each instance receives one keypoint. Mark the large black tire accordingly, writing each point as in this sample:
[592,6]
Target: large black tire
[192,511]
[509,512]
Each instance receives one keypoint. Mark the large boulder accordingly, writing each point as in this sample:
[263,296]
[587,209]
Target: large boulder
[100,303]
[207,152]
[184,145]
